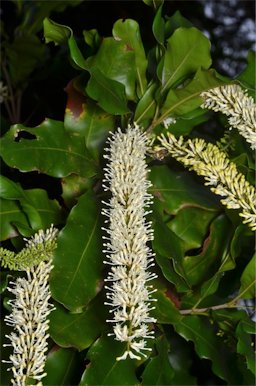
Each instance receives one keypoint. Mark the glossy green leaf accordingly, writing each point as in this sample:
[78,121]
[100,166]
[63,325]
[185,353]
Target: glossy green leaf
[165,309]
[104,369]
[109,93]
[146,107]
[167,244]
[116,60]
[54,32]
[40,210]
[128,32]
[176,21]
[175,190]
[187,51]
[28,51]
[185,124]
[247,76]
[186,99]
[84,118]
[159,370]
[202,266]
[208,345]
[48,150]
[76,276]
[9,189]
[248,280]
[158,26]
[73,187]
[62,367]
[11,213]
[191,225]
[165,241]
[60,34]
[78,330]
[245,345]
[169,270]
[92,38]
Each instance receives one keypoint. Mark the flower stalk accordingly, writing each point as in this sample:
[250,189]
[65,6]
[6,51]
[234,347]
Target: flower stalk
[221,174]
[126,246]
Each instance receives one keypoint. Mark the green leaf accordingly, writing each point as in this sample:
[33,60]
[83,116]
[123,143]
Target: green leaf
[78,330]
[10,190]
[128,32]
[166,242]
[165,310]
[73,187]
[176,190]
[202,266]
[47,152]
[186,99]
[10,214]
[176,21]
[247,76]
[40,210]
[159,370]
[248,280]
[84,118]
[116,60]
[158,26]
[57,33]
[171,272]
[76,276]
[244,332]
[109,93]
[92,38]
[191,225]
[209,346]
[146,107]
[187,51]
[62,367]
[28,51]
[104,369]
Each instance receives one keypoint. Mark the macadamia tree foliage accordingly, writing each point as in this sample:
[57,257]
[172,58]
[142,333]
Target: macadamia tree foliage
[140,269]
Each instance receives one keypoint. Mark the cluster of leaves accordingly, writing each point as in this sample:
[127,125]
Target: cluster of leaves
[203,252]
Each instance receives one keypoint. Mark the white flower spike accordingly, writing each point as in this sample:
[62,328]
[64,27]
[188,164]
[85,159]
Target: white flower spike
[127,250]
[234,102]
[29,317]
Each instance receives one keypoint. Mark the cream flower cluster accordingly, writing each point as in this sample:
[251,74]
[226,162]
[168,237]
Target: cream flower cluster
[233,101]
[29,317]
[211,163]
[126,246]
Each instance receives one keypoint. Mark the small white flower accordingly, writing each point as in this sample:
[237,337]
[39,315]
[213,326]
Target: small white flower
[127,250]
